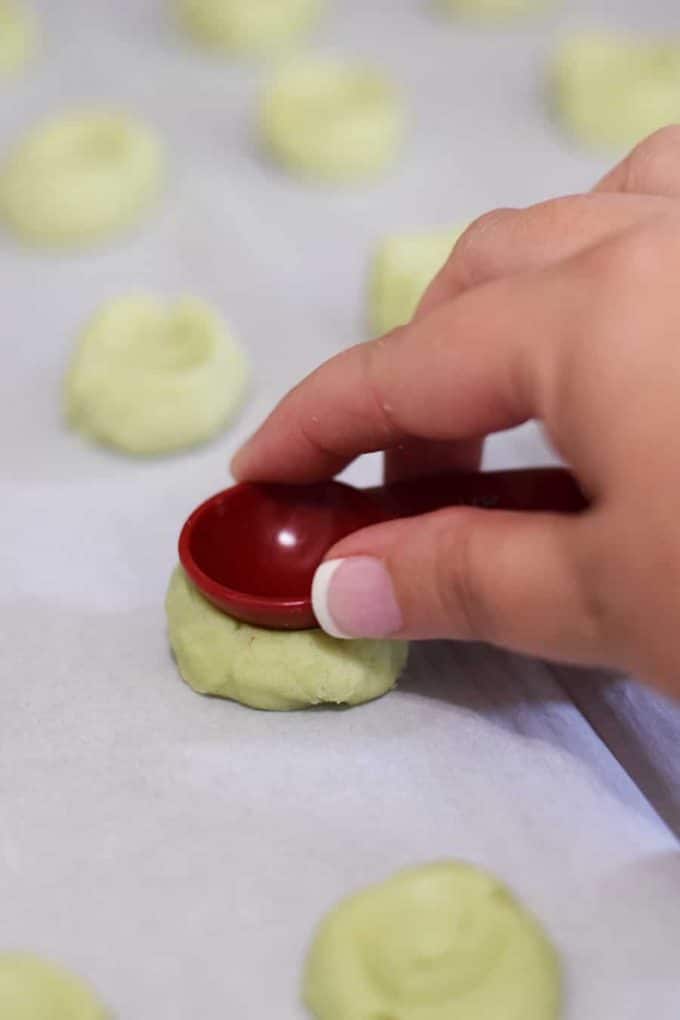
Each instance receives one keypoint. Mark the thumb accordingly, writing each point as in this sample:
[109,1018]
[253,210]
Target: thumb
[512,579]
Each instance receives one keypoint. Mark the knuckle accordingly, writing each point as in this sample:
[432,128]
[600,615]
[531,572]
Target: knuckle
[554,213]
[470,257]
[641,166]
[621,283]
[485,223]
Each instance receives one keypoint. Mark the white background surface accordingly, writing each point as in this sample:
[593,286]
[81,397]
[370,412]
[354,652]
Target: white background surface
[178,851]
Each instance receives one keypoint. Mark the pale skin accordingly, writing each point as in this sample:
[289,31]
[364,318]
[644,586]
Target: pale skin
[567,312]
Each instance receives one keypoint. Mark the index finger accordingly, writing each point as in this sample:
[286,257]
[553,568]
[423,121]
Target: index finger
[463,371]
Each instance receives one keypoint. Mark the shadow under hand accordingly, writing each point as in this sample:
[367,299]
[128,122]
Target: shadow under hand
[508,688]
[641,728]
[529,698]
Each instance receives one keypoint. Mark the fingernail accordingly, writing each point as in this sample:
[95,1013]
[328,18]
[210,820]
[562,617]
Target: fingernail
[354,598]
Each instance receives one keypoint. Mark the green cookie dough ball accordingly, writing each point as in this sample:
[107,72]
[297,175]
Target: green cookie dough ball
[247,26]
[80,177]
[439,942]
[403,268]
[332,121]
[275,670]
[495,9]
[31,989]
[149,377]
[612,91]
[17,36]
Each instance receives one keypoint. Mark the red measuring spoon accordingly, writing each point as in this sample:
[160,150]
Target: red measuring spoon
[252,550]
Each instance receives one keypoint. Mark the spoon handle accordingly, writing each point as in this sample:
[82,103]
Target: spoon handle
[539,489]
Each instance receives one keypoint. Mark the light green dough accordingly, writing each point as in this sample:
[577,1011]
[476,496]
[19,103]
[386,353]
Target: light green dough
[612,91]
[31,989]
[403,268]
[80,177]
[495,10]
[332,120]
[440,942]
[18,35]
[275,670]
[247,26]
[149,377]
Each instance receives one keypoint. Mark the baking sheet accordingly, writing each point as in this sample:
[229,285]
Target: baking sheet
[178,851]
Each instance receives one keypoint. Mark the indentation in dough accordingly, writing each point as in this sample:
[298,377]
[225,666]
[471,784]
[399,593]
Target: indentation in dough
[332,120]
[440,942]
[150,377]
[80,177]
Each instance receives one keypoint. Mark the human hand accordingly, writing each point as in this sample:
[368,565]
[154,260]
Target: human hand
[567,312]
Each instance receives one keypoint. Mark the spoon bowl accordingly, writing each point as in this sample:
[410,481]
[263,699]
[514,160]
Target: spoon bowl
[253,550]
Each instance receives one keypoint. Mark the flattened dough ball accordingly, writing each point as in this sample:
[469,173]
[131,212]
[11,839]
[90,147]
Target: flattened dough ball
[149,377]
[494,10]
[247,26]
[333,121]
[403,268]
[32,989]
[439,942]
[612,91]
[18,36]
[274,670]
[80,177]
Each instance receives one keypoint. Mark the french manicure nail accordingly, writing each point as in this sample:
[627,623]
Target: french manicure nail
[354,598]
